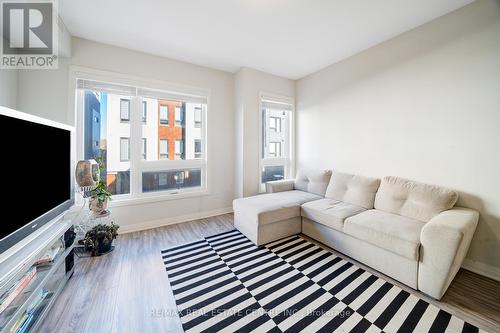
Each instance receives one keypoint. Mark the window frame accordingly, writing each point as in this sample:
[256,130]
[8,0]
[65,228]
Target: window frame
[288,151]
[137,165]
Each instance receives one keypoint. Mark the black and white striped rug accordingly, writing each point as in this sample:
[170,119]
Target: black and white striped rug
[225,283]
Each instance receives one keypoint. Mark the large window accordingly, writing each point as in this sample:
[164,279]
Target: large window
[276,140]
[151,141]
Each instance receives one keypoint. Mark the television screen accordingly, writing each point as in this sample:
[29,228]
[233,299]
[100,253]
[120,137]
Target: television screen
[35,172]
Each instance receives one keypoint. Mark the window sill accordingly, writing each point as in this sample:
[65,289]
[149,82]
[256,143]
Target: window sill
[149,198]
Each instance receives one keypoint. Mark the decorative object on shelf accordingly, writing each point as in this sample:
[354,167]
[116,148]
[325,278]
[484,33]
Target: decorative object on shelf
[99,196]
[87,175]
[92,185]
[99,239]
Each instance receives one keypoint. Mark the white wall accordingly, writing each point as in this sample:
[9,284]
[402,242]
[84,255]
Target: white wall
[424,105]
[45,93]
[249,84]
[8,87]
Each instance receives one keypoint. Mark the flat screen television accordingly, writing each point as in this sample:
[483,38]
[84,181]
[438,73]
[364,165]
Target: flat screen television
[35,174]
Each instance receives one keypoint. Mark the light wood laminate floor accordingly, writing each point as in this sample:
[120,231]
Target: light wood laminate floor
[128,290]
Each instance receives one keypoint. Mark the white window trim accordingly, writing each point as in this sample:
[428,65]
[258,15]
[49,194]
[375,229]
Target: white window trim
[136,196]
[288,162]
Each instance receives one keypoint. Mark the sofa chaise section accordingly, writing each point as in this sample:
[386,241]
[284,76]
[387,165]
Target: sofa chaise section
[268,217]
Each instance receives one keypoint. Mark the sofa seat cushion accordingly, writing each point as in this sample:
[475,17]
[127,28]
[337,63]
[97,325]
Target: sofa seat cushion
[391,232]
[330,212]
[273,207]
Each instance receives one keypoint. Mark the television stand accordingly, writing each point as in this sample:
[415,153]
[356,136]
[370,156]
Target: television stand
[29,285]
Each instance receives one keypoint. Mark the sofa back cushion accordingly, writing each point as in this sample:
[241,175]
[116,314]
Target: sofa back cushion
[353,189]
[312,181]
[413,199]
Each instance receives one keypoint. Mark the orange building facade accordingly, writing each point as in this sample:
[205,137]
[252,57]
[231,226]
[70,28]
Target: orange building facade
[171,131]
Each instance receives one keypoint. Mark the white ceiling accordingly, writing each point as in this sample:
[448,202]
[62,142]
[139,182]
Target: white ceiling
[289,38]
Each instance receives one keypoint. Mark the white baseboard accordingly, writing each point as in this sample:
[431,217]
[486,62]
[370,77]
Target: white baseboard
[173,220]
[480,268]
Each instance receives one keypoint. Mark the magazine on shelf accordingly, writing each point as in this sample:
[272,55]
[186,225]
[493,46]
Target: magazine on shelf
[49,256]
[30,316]
[16,289]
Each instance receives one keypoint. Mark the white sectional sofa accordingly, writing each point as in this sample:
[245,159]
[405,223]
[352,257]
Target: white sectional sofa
[408,230]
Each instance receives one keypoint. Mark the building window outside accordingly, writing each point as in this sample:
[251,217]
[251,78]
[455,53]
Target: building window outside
[124,110]
[178,116]
[124,149]
[144,148]
[163,114]
[274,149]
[163,149]
[197,117]
[144,111]
[275,124]
[197,148]
[179,149]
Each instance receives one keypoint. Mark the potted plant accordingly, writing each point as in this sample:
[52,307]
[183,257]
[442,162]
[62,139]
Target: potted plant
[99,239]
[100,196]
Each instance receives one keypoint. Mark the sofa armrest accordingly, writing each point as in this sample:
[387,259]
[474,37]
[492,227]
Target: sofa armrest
[445,240]
[280,185]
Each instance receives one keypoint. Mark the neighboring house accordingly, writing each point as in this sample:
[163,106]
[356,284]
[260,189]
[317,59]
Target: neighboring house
[171,130]
[92,124]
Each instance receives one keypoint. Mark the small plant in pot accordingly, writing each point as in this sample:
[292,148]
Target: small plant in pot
[99,239]
[100,196]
